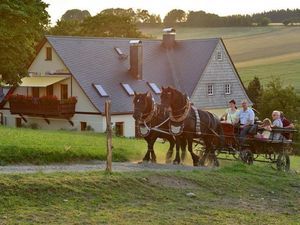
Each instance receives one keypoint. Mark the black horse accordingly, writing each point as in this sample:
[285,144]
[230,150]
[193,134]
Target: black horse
[184,119]
[152,123]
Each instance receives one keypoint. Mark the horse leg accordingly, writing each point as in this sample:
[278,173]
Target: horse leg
[150,152]
[171,148]
[147,156]
[190,148]
[183,149]
[177,157]
[151,149]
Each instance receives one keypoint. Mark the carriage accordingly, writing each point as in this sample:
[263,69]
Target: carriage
[254,149]
[178,120]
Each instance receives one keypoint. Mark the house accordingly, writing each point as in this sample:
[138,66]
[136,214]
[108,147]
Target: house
[96,69]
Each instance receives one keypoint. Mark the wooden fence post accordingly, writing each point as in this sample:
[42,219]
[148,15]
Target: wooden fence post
[108,136]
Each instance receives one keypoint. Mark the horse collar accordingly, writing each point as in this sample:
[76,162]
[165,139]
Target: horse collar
[182,117]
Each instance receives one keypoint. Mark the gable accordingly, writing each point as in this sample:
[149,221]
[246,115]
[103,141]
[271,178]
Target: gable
[42,66]
[218,73]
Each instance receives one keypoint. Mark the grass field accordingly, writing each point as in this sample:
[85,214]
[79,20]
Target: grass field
[288,72]
[39,146]
[21,145]
[256,51]
[236,194]
[46,147]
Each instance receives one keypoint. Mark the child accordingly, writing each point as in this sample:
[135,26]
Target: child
[266,125]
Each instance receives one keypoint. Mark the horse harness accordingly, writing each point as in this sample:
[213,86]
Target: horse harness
[176,122]
[144,125]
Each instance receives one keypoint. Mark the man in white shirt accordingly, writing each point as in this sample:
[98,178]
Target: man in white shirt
[246,116]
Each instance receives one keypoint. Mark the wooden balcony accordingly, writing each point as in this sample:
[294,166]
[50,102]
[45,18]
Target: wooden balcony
[39,108]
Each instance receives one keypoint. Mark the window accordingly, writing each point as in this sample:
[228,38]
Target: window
[83,126]
[48,53]
[128,89]
[227,89]
[64,91]
[100,90]
[154,88]
[219,55]
[49,90]
[35,92]
[18,122]
[210,89]
[120,129]
[120,53]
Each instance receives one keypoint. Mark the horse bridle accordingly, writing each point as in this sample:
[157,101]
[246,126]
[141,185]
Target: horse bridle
[149,115]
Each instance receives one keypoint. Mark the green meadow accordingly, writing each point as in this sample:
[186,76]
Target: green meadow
[234,194]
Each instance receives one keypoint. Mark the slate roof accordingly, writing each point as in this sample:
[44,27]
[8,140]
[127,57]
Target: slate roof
[95,61]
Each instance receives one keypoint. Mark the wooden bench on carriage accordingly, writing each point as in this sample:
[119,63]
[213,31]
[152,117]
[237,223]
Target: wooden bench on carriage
[261,150]
[254,149]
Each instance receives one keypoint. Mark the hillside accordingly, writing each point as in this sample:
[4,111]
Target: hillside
[236,194]
[254,50]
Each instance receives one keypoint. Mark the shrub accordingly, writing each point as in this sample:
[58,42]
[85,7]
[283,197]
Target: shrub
[19,98]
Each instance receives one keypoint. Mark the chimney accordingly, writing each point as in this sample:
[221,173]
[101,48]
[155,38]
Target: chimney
[136,59]
[169,37]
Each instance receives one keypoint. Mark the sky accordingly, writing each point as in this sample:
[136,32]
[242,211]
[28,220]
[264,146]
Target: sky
[221,7]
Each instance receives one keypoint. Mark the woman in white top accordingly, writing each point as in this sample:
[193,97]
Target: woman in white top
[231,114]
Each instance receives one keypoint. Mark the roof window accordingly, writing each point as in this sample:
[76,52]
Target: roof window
[128,89]
[100,90]
[154,88]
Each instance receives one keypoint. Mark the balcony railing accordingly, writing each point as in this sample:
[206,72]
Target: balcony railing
[45,106]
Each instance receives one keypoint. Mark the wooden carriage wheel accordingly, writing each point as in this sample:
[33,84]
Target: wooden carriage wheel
[209,159]
[246,156]
[283,162]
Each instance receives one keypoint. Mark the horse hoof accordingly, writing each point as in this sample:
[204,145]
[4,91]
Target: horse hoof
[168,161]
[195,164]
[153,161]
[175,162]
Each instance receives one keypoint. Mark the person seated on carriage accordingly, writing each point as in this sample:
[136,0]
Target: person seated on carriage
[266,130]
[285,122]
[277,123]
[231,114]
[246,117]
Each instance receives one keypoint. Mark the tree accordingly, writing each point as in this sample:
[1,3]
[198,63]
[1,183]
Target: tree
[277,97]
[22,25]
[129,13]
[286,22]
[66,27]
[144,17]
[263,21]
[255,91]
[110,25]
[75,15]
[175,16]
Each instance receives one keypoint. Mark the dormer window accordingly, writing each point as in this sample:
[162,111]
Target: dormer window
[227,89]
[154,88]
[128,89]
[219,55]
[210,89]
[100,90]
[48,53]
